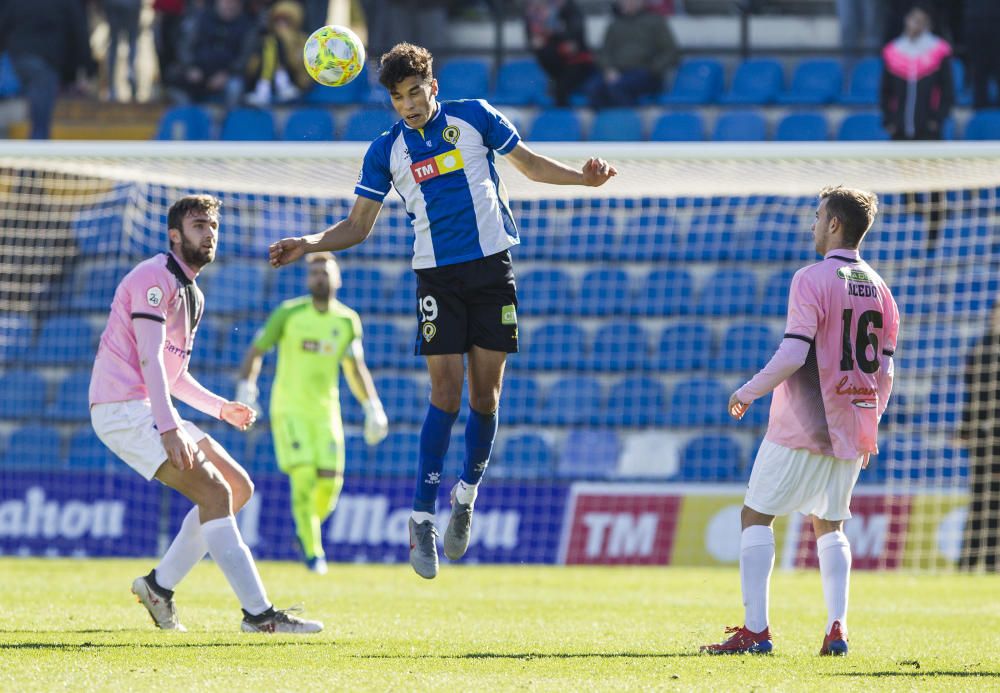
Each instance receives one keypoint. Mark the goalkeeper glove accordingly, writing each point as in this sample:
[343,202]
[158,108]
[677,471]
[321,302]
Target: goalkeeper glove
[376,423]
[246,392]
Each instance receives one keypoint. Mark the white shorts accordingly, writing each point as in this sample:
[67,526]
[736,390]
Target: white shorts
[128,430]
[785,480]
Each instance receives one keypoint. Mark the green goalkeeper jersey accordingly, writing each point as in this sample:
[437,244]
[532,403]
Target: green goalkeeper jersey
[311,346]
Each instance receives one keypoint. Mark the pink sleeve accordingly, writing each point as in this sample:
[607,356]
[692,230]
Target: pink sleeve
[804,307]
[190,391]
[150,336]
[148,296]
[789,357]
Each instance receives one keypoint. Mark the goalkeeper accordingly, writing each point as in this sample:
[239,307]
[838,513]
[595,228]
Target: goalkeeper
[315,335]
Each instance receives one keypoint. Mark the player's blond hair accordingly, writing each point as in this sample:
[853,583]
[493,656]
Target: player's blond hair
[855,208]
[321,256]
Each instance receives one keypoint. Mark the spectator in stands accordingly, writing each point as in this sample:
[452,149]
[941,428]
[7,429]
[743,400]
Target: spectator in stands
[167,31]
[274,67]
[982,29]
[860,26]
[917,91]
[555,31]
[980,435]
[213,54]
[123,21]
[638,48]
[49,45]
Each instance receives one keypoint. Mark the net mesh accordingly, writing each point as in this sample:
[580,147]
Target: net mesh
[643,305]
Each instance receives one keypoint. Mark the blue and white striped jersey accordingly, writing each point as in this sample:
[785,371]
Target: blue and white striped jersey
[446,176]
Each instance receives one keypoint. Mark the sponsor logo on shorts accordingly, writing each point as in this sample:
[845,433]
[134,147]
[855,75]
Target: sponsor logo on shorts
[154,296]
[437,166]
[508,315]
[450,134]
[428,330]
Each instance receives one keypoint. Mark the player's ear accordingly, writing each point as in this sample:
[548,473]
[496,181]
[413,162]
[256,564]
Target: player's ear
[434,87]
[174,235]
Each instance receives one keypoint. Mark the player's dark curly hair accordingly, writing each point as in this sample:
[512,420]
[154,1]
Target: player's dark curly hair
[405,60]
[206,204]
[856,210]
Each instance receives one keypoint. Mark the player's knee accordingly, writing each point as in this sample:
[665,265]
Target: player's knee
[218,497]
[242,491]
[485,403]
[447,395]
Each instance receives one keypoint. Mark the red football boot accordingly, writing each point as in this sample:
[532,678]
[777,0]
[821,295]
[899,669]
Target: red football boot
[835,643]
[742,641]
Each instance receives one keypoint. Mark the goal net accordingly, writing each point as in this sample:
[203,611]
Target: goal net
[643,305]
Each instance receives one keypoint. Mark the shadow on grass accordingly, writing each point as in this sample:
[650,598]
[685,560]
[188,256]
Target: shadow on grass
[535,655]
[919,673]
[155,645]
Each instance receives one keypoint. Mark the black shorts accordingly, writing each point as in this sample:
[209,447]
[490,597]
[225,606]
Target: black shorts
[470,303]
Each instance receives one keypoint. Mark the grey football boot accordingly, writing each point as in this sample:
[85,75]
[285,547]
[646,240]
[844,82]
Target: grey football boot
[423,548]
[456,537]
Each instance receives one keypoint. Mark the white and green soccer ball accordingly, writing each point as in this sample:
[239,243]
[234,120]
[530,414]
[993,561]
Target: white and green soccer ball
[334,55]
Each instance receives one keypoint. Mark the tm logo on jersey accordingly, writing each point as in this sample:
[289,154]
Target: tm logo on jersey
[437,166]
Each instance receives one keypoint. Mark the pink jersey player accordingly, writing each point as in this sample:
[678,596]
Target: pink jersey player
[831,376]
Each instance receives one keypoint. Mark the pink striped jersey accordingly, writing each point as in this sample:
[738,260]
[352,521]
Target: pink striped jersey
[843,310]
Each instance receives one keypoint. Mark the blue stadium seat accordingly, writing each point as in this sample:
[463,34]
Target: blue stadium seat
[463,79]
[815,81]
[974,292]
[519,400]
[523,456]
[605,292]
[860,127]
[545,292]
[757,81]
[698,81]
[65,340]
[365,124]
[309,125]
[521,83]
[964,240]
[94,288]
[33,446]
[354,92]
[397,455]
[363,289]
[802,127]
[745,348]
[386,346]
[234,340]
[192,123]
[206,343]
[556,125]
[682,347]
[983,125]
[71,400]
[244,124]
[678,127]
[777,236]
[16,334]
[866,77]
[665,292]
[22,395]
[554,346]
[572,401]
[235,442]
[711,458]
[619,346]
[646,238]
[740,126]
[636,401]
[10,85]
[86,451]
[698,402]
[590,238]
[729,292]
[287,283]
[259,457]
[616,125]
[404,399]
[710,238]
[589,454]
[234,287]
[774,301]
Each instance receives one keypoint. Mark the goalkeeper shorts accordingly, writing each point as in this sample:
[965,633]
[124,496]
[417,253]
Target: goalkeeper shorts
[313,441]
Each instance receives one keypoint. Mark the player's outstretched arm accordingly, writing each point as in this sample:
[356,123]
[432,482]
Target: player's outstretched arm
[359,379]
[542,169]
[344,234]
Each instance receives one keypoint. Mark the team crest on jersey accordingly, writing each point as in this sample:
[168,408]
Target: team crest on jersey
[154,296]
[450,134]
[854,275]
[428,330]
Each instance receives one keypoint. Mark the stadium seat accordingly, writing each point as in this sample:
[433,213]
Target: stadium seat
[354,92]
[192,123]
[745,349]
[711,458]
[802,127]
[859,127]
[463,79]
[365,124]
[779,236]
[757,81]
[65,340]
[309,125]
[864,83]
[709,238]
[740,126]
[259,457]
[234,340]
[698,402]
[589,454]
[545,292]
[572,401]
[71,400]
[678,127]
[646,237]
[619,346]
[636,401]
[523,456]
[590,238]
[386,346]
[964,240]
[983,125]
[604,292]
[556,125]
[682,347]
[521,83]
[616,125]
[554,346]
[815,81]
[98,230]
[33,446]
[974,292]
[363,289]
[729,292]
[234,287]
[289,283]
[86,451]
[519,400]
[10,85]
[22,395]
[774,302]
[16,334]
[665,292]
[246,124]
[94,287]
[698,81]
[404,399]
[397,455]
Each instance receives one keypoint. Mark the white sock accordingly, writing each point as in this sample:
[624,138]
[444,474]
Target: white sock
[466,493]
[419,517]
[756,562]
[186,550]
[229,551]
[835,569]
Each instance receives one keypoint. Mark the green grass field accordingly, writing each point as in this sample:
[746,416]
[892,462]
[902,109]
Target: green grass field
[73,624]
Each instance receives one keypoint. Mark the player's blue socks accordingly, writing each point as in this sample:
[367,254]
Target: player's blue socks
[434,439]
[480,432]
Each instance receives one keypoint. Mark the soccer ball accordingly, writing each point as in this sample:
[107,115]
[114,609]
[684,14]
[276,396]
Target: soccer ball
[334,55]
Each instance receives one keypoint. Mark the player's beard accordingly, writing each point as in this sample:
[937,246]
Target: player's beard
[195,255]
[320,293]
